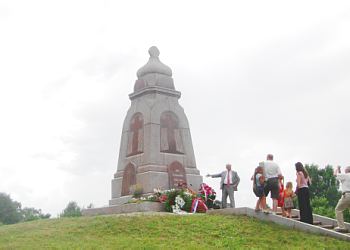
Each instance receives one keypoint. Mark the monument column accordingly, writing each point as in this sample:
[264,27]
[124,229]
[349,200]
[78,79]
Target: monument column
[156,147]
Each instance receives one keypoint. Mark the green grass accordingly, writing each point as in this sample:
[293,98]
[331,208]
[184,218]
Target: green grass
[160,232]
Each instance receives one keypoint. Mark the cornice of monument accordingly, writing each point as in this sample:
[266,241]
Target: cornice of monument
[155,90]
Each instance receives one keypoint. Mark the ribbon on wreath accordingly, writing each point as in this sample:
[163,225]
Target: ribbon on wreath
[204,191]
[198,205]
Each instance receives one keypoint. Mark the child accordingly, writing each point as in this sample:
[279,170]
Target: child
[280,200]
[288,199]
[258,188]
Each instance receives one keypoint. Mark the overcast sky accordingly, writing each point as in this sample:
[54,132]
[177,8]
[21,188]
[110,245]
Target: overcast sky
[256,77]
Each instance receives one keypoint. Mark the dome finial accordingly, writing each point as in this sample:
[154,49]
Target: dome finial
[154,65]
[154,51]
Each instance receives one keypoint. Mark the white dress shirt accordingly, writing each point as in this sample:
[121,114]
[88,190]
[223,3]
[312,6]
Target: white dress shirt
[345,181]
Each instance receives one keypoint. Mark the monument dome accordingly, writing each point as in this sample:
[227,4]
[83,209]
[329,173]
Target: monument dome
[154,73]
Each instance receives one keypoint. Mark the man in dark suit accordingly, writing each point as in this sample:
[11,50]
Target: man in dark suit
[228,184]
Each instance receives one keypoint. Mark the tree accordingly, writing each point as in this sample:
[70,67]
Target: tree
[323,184]
[10,211]
[30,213]
[324,191]
[72,210]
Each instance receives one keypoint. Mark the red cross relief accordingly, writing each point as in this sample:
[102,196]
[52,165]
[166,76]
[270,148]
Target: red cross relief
[135,126]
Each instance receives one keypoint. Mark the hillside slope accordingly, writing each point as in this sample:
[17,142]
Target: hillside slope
[159,231]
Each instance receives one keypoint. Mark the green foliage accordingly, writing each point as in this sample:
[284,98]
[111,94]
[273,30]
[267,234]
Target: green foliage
[10,211]
[137,191]
[324,191]
[171,195]
[188,201]
[72,210]
[160,232]
[324,184]
[30,213]
[320,206]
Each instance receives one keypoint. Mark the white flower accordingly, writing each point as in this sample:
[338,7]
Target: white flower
[179,201]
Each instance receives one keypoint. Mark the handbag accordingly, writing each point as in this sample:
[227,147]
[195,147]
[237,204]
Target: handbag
[288,202]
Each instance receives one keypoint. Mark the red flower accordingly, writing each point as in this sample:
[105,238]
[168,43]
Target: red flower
[163,198]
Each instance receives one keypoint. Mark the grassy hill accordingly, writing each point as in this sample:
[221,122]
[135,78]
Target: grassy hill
[159,232]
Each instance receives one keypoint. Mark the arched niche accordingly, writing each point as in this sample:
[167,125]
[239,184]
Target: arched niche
[177,175]
[135,135]
[170,134]
[129,179]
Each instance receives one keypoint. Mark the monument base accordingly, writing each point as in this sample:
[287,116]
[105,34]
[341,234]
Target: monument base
[150,177]
[146,206]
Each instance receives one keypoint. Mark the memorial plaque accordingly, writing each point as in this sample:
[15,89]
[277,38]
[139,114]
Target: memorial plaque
[177,175]
[129,179]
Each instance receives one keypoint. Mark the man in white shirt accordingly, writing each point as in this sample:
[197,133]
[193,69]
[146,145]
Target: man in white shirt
[228,184]
[272,173]
[344,201]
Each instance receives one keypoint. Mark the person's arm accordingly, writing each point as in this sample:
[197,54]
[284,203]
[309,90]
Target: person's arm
[262,179]
[279,173]
[237,180]
[298,180]
[214,175]
[337,171]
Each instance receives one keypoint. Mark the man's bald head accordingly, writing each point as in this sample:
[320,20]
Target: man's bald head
[269,157]
[347,169]
[228,166]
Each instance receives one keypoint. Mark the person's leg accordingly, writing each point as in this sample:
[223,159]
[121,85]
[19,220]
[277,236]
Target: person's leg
[224,197]
[257,207]
[232,197]
[304,206]
[343,203]
[274,193]
[263,202]
[310,218]
[301,205]
[274,205]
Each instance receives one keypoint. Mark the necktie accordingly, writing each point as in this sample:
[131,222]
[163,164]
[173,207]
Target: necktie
[228,178]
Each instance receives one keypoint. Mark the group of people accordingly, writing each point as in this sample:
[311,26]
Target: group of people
[268,178]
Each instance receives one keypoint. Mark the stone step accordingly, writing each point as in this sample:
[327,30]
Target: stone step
[316,223]
[327,226]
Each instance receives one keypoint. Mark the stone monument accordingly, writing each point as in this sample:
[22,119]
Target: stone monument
[156,147]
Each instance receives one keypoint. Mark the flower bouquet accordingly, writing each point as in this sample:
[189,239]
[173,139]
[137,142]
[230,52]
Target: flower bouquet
[208,195]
